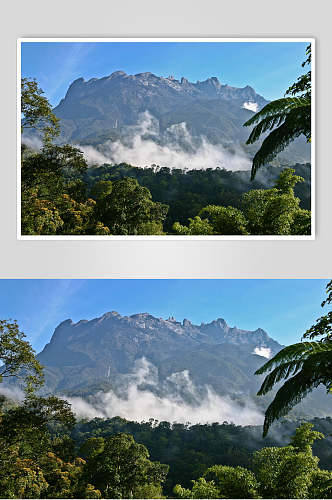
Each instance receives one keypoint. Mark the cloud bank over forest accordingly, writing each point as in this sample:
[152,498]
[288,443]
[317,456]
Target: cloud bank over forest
[177,399]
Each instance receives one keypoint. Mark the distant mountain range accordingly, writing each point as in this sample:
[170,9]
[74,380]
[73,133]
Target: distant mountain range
[106,109]
[94,352]
[106,354]
[89,353]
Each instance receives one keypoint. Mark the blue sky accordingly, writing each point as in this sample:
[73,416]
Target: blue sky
[284,308]
[269,67]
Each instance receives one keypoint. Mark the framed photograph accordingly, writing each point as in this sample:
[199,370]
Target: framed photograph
[165,389]
[166,138]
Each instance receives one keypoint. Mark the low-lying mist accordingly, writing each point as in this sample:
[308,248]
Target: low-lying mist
[177,399]
[143,145]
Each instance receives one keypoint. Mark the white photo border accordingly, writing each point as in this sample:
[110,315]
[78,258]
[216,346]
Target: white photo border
[311,237]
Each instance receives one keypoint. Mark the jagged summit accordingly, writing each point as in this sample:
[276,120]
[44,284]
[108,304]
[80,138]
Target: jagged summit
[219,323]
[105,349]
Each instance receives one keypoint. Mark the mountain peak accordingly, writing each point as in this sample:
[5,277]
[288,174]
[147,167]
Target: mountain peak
[110,314]
[146,74]
[117,73]
[171,319]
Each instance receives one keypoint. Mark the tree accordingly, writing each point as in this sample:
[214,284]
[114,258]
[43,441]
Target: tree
[225,220]
[91,447]
[65,479]
[26,425]
[233,482]
[129,206]
[25,439]
[54,197]
[263,212]
[214,220]
[18,358]
[53,167]
[196,226]
[276,210]
[200,489]
[277,472]
[122,467]
[20,478]
[288,472]
[37,111]
[304,366]
[286,118]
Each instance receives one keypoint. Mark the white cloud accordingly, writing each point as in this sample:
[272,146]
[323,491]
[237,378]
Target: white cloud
[140,403]
[252,106]
[263,351]
[178,149]
[13,393]
[32,142]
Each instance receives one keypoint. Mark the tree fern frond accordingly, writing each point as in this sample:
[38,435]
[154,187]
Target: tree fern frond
[290,353]
[279,106]
[267,123]
[291,393]
[282,371]
[295,124]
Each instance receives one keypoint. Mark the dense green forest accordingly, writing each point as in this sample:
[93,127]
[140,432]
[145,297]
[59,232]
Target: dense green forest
[189,450]
[61,195]
[187,192]
[46,454]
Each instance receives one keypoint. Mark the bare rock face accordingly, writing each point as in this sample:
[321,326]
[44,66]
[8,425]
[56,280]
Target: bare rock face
[87,353]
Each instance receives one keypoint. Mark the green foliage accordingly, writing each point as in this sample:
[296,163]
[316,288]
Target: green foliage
[276,210]
[91,447]
[306,365]
[122,466]
[101,189]
[288,472]
[286,118]
[214,220]
[187,192]
[200,489]
[196,226]
[191,450]
[129,207]
[264,212]
[148,490]
[37,111]
[225,220]
[278,472]
[54,199]
[233,482]
[18,357]
[20,477]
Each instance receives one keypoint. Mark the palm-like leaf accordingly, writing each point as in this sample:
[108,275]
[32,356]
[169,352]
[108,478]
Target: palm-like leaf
[289,117]
[310,363]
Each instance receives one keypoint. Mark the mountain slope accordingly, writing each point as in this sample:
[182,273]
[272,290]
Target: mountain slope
[109,109]
[105,349]
[140,366]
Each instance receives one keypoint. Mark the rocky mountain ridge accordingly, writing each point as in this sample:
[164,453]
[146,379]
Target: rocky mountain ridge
[113,109]
[101,350]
